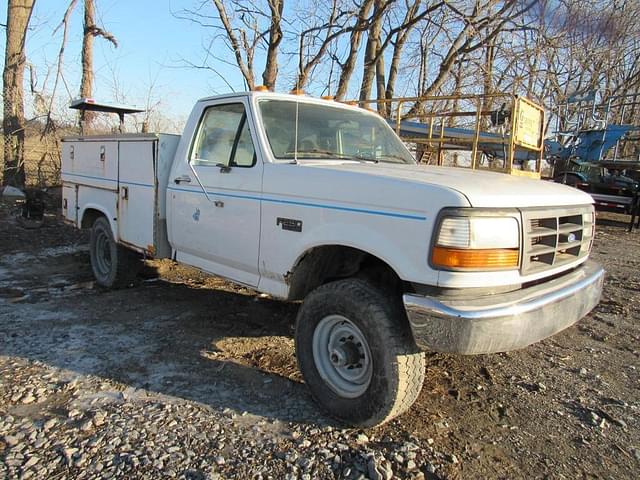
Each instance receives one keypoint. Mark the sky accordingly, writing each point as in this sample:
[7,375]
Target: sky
[152,46]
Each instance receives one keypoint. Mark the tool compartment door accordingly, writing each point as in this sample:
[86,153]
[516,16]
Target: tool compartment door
[70,202]
[136,193]
[91,162]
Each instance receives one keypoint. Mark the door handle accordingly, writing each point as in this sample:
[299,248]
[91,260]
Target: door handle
[219,203]
[182,178]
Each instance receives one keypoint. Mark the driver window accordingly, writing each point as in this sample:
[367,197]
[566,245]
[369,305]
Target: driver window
[223,138]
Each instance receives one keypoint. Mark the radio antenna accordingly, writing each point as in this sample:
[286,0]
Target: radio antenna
[295,145]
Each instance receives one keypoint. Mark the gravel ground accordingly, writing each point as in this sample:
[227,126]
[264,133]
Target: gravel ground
[187,376]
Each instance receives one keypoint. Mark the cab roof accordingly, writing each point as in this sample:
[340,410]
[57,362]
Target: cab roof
[286,96]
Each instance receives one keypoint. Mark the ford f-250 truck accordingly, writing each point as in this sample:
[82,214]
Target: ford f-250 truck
[315,200]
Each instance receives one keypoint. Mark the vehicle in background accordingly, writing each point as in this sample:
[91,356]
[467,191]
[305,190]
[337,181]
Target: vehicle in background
[612,185]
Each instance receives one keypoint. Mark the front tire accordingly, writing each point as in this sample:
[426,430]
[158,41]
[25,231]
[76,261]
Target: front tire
[113,265]
[356,353]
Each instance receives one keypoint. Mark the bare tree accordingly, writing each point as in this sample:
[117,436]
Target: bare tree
[270,73]
[361,23]
[240,41]
[64,24]
[320,35]
[90,32]
[401,36]
[343,19]
[395,36]
[13,124]
[246,27]
[372,48]
[555,50]
[464,33]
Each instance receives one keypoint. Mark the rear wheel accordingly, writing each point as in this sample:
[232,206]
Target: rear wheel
[112,264]
[356,353]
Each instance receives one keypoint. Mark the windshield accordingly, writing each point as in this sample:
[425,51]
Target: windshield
[326,132]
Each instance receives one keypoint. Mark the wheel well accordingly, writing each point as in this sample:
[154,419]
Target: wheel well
[89,216]
[327,263]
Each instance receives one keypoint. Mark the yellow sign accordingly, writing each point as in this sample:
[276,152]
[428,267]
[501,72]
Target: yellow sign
[529,124]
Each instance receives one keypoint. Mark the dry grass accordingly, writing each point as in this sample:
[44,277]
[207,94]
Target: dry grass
[42,159]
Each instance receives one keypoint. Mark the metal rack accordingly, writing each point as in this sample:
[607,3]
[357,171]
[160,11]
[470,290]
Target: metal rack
[590,129]
[502,139]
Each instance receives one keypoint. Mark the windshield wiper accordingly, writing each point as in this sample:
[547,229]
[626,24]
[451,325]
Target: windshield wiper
[365,159]
[317,151]
[391,155]
[341,156]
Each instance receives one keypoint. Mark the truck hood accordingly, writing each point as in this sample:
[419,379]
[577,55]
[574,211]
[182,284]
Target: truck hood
[481,188]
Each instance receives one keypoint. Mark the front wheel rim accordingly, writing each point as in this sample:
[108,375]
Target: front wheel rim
[342,356]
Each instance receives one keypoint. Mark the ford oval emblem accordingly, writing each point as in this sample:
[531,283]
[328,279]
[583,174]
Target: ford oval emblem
[571,237]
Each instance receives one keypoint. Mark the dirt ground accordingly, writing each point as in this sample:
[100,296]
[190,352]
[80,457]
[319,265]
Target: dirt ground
[567,407]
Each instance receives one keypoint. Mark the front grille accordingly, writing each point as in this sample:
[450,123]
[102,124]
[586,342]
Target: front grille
[556,236]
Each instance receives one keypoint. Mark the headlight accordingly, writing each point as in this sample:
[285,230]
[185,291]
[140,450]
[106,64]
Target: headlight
[476,243]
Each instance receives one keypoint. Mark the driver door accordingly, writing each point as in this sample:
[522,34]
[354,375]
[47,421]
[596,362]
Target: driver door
[216,204]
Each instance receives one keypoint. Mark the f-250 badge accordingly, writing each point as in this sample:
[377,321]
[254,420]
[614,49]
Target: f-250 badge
[290,224]
[196,214]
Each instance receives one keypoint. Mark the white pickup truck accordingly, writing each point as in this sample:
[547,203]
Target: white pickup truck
[314,200]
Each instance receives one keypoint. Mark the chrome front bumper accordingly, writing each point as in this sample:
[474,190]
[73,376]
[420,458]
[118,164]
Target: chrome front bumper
[506,321]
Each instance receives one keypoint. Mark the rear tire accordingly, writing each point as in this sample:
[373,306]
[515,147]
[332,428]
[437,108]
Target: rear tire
[113,265]
[356,353]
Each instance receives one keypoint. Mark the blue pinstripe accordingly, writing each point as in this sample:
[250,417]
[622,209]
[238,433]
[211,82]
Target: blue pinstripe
[271,200]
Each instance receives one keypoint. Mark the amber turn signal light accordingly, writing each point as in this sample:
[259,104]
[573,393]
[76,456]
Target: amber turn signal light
[495,258]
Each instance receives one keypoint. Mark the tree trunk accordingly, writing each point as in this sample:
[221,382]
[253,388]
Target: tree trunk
[381,86]
[393,72]
[13,124]
[487,81]
[457,91]
[91,30]
[270,74]
[354,46]
[86,83]
[371,53]
[401,38]
[246,68]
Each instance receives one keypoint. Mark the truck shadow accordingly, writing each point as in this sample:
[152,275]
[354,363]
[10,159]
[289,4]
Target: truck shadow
[616,220]
[208,342]
[618,223]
